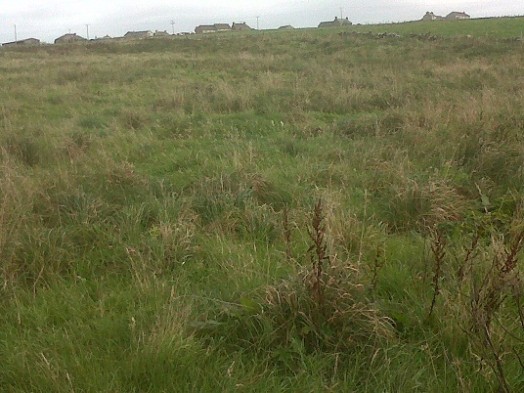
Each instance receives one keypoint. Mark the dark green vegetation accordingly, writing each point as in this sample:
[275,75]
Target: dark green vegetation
[160,228]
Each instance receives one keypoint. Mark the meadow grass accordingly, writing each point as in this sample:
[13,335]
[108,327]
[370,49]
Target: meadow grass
[161,230]
[502,27]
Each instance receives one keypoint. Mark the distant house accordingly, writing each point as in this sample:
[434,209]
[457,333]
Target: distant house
[158,33]
[204,29]
[286,27]
[219,27]
[68,38]
[335,23]
[138,34]
[457,16]
[430,16]
[222,27]
[104,38]
[240,26]
[26,42]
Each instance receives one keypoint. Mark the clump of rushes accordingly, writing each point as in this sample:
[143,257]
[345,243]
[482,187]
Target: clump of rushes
[326,304]
[325,307]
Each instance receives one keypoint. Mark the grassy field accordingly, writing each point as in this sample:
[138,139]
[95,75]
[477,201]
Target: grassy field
[298,212]
[510,27]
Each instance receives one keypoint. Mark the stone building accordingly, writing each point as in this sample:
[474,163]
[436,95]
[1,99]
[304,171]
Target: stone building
[335,23]
[430,16]
[240,26]
[457,16]
[69,38]
[138,34]
[25,42]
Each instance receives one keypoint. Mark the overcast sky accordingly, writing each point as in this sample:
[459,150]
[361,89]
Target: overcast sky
[48,19]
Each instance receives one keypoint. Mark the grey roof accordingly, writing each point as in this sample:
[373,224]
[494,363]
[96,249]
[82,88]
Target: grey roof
[22,42]
[456,14]
[222,26]
[240,25]
[206,27]
[138,33]
[335,23]
[70,37]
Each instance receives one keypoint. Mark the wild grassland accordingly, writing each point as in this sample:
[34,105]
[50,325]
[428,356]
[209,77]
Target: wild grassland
[504,27]
[160,227]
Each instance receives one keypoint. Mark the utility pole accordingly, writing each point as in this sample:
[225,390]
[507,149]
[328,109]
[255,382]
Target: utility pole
[16,35]
[173,26]
[258,17]
[341,13]
[87,31]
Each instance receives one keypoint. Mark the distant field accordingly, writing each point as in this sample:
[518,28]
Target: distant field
[298,211]
[510,27]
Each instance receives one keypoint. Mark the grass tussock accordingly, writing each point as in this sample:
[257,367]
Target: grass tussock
[323,307]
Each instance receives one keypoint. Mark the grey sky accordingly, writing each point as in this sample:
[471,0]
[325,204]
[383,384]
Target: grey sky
[51,18]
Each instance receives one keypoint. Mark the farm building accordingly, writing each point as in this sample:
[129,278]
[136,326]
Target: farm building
[216,28]
[26,42]
[138,34]
[222,27]
[68,38]
[457,16]
[159,33]
[241,26]
[430,16]
[335,23]
[286,27]
[204,29]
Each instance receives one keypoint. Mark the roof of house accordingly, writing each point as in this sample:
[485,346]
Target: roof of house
[222,26]
[431,15]
[456,13]
[241,24]
[70,37]
[138,33]
[21,42]
[335,22]
[206,27]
